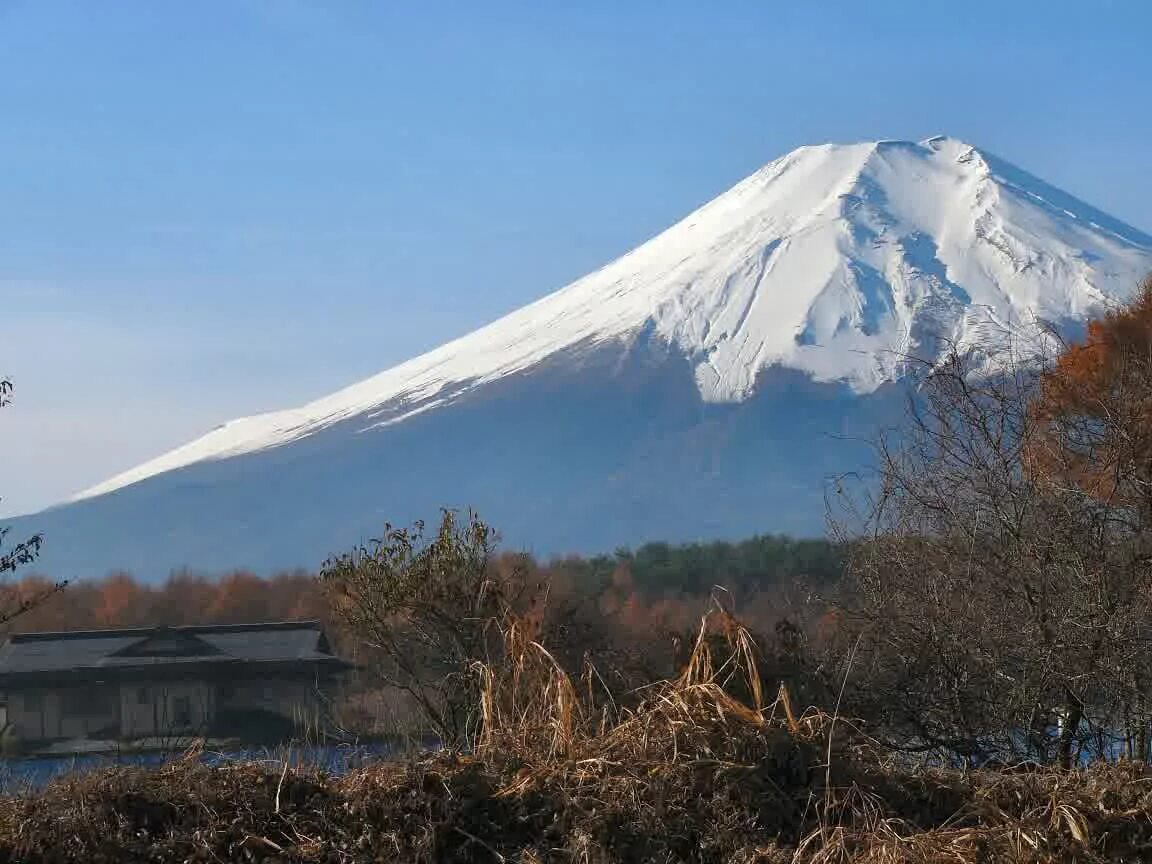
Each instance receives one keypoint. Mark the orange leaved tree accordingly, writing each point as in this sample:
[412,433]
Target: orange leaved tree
[1094,412]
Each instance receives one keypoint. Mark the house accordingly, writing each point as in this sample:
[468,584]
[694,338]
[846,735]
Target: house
[147,682]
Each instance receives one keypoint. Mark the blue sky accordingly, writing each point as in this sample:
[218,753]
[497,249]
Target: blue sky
[215,208]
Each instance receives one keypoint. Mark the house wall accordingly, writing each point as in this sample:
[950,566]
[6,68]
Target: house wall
[34,713]
[155,707]
[294,698]
[66,712]
[88,711]
[152,708]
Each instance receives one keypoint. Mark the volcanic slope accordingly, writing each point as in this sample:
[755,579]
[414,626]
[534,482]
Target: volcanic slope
[704,384]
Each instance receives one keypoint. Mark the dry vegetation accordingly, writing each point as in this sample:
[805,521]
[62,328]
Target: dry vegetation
[704,768]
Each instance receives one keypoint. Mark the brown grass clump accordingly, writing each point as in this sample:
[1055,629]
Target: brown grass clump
[1103,813]
[701,768]
[691,773]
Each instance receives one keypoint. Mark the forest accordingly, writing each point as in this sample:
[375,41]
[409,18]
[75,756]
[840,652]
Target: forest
[656,576]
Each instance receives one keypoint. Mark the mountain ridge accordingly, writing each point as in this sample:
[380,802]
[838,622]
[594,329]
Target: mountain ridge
[884,306]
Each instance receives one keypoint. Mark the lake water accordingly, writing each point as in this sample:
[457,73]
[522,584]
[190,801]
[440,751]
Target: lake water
[17,775]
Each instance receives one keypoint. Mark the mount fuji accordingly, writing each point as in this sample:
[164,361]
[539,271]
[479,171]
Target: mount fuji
[703,385]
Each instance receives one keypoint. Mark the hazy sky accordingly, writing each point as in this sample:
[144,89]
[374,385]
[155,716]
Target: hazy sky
[213,209]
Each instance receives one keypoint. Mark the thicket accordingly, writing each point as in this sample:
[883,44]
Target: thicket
[999,574]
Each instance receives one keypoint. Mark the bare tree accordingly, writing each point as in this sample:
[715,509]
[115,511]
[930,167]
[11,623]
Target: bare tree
[13,556]
[995,613]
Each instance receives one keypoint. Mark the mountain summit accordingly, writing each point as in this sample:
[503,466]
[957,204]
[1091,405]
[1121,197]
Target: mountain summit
[791,298]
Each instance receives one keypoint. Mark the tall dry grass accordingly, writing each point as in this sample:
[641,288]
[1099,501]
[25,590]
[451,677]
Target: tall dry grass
[701,767]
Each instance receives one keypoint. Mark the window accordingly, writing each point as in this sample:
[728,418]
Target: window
[93,701]
[143,697]
[34,701]
[182,711]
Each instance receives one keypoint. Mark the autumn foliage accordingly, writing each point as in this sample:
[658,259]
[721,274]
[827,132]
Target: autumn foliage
[119,600]
[1094,410]
[656,587]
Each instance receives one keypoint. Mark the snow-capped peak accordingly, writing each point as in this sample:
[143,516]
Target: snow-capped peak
[836,260]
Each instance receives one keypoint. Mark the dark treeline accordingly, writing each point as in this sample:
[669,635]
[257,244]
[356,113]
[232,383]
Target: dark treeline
[696,568]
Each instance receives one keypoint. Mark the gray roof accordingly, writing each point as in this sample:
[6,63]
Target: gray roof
[150,647]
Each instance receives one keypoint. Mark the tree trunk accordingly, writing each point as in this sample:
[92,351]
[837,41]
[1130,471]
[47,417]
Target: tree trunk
[1071,715]
[1142,739]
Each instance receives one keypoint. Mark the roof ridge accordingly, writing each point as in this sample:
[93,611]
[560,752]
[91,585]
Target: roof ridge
[112,632]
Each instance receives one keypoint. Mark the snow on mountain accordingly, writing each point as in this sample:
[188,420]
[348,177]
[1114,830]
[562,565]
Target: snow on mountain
[702,385]
[836,260]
